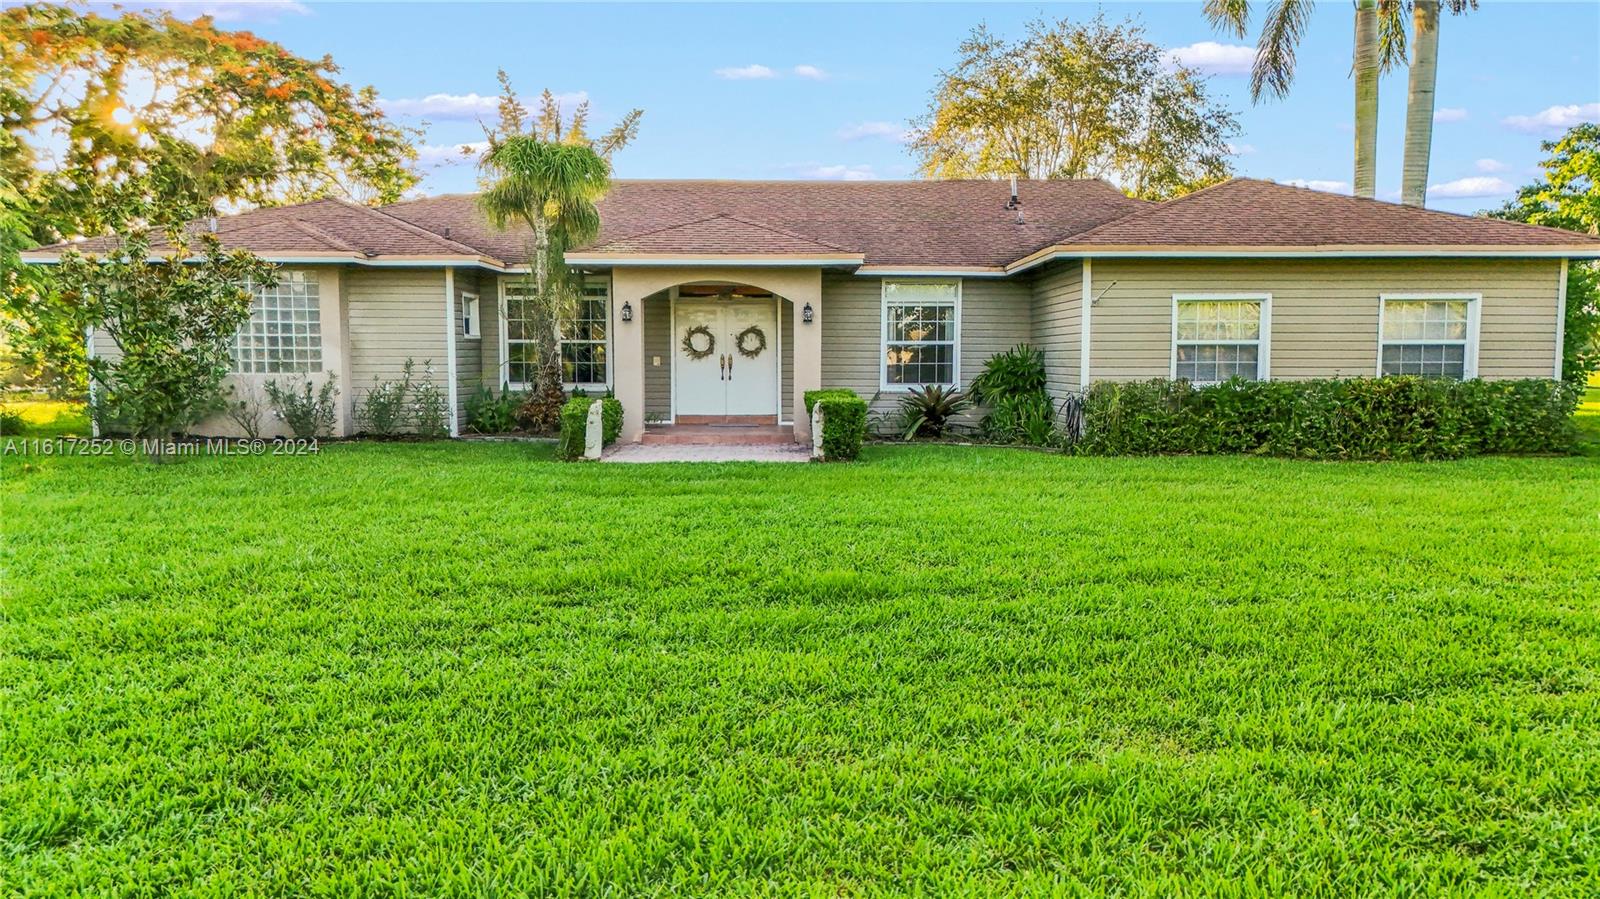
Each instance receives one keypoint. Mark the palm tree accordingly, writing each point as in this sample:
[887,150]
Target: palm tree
[1273,70]
[1424,73]
[548,177]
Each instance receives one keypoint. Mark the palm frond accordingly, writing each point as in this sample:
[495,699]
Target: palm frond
[1229,16]
[1281,32]
[1392,21]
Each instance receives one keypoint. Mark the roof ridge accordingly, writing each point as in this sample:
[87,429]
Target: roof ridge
[415,229]
[797,236]
[320,234]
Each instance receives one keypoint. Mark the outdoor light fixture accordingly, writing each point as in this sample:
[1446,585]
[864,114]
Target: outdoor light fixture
[806,313]
[627,312]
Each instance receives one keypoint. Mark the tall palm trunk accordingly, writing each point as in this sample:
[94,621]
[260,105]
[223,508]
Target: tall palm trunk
[1366,71]
[1419,102]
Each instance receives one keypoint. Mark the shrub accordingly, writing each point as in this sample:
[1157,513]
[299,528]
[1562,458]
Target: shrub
[844,422]
[383,409]
[12,422]
[1016,372]
[430,406]
[245,409]
[491,413]
[306,410]
[928,411]
[575,424]
[1358,418]
[1028,418]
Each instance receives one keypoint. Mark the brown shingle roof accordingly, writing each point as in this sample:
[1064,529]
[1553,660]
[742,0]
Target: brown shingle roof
[888,222]
[321,226]
[720,234]
[1245,212]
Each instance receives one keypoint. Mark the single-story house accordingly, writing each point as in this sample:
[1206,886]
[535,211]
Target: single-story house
[713,302]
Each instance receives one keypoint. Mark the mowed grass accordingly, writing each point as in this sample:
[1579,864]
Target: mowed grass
[450,670]
[49,418]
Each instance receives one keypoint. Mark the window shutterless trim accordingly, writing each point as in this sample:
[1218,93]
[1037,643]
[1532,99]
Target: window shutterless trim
[468,298]
[883,333]
[1474,301]
[1263,343]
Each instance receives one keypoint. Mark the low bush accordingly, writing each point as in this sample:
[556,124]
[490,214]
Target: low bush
[430,406]
[1018,371]
[493,413]
[844,422]
[383,409]
[575,424]
[308,411]
[1357,418]
[12,423]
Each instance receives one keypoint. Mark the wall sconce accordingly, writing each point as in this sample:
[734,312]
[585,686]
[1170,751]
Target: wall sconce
[627,312]
[806,313]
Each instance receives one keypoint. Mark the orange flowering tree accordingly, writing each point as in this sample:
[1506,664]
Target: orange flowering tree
[145,118]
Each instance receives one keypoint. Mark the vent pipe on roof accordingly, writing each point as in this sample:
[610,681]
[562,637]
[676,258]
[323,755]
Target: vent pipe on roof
[211,224]
[1015,203]
[446,232]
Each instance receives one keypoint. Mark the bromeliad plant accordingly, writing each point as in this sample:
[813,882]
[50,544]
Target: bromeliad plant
[929,411]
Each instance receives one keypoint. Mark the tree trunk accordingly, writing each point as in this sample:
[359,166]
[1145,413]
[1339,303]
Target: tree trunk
[1366,72]
[1419,102]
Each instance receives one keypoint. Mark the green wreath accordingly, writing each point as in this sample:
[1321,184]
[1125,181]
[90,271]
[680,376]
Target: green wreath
[691,350]
[760,338]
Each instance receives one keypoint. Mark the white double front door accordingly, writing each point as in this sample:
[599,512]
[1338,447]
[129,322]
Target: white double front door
[725,382]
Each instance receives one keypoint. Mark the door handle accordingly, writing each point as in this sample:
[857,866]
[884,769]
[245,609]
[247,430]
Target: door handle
[722,367]
[730,366]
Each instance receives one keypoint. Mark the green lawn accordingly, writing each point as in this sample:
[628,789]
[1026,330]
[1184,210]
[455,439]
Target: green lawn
[49,418]
[440,670]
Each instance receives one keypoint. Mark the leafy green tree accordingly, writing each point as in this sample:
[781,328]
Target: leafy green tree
[173,326]
[548,175]
[115,123]
[143,116]
[1074,100]
[1568,196]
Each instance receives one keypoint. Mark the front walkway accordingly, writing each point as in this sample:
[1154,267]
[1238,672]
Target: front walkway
[772,452]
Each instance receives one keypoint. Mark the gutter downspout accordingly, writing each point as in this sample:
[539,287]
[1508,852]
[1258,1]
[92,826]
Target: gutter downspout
[1561,319]
[1088,303]
[88,350]
[450,345]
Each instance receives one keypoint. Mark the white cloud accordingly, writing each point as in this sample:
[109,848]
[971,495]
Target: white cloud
[1213,58]
[814,172]
[883,130]
[1490,166]
[1554,119]
[469,107]
[1330,187]
[745,73]
[812,72]
[443,106]
[451,154]
[1241,149]
[1450,114]
[1476,186]
[220,10]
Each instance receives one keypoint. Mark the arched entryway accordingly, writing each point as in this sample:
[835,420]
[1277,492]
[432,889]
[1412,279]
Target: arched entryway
[717,346]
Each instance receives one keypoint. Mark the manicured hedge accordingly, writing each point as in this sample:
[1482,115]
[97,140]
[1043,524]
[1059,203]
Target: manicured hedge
[1357,418]
[844,422]
[575,423]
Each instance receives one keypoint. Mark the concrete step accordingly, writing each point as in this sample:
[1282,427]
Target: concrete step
[717,435]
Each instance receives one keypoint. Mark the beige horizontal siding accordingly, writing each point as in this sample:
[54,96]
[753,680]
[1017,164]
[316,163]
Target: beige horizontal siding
[1324,312]
[658,344]
[469,350]
[1058,325]
[394,316]
[996,315]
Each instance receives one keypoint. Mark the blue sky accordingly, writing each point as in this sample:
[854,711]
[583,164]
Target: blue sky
[824,90]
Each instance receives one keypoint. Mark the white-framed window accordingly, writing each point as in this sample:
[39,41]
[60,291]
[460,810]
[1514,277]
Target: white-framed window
[1220,336]
[284,333]
[471,326]
[1432,335]
[584,339]
[921,334]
